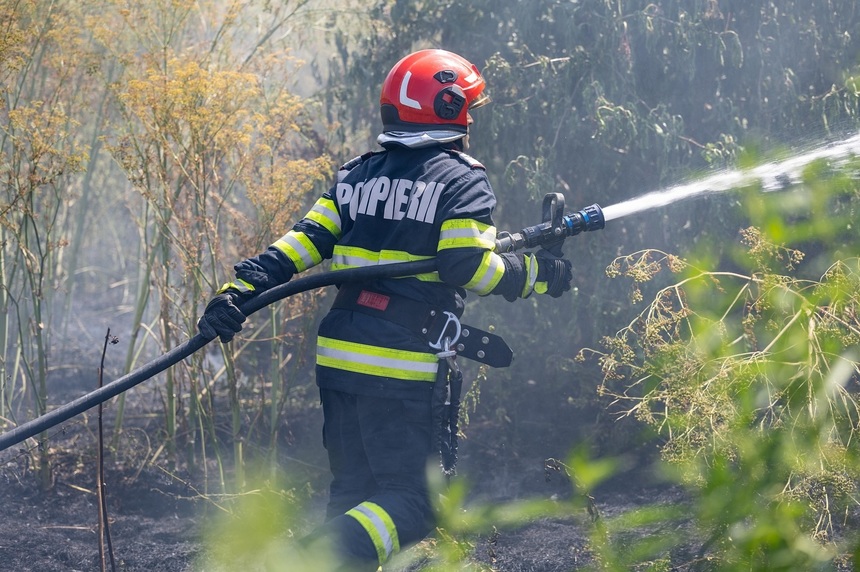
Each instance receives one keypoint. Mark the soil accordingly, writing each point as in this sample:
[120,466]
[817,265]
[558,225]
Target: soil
[157,517]
[160,518]
[151,529]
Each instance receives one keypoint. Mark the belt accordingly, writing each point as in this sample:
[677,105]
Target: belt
[431,323]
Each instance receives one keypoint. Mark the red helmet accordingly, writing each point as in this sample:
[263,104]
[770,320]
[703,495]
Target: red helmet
[430,90]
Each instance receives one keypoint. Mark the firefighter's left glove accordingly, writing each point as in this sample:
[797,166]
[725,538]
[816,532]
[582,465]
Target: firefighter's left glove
[222,317]
[554,273]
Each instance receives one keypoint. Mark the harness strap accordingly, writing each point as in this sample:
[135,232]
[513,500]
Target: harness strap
[445,407]
[411,314]
[427,321]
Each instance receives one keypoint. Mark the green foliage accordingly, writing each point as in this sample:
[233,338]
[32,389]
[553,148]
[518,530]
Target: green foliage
[750,377]
[462,524]
[256,528]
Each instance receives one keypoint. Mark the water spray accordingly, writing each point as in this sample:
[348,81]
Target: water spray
[772,176]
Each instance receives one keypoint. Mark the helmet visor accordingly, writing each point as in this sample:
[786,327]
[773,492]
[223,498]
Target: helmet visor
[480,101]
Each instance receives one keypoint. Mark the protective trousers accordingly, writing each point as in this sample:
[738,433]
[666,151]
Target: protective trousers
[378,450]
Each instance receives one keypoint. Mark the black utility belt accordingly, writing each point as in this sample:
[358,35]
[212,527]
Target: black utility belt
[436,326]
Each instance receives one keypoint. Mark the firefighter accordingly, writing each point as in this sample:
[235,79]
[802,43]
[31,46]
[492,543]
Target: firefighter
[418,197]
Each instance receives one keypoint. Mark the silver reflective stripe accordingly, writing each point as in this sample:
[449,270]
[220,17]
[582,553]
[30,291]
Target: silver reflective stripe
[343,260]
[380,527]
[495,266]
[327,212]
[353,257]
[488,235]
[298,248]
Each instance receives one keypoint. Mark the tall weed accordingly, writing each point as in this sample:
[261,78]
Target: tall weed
[751,377]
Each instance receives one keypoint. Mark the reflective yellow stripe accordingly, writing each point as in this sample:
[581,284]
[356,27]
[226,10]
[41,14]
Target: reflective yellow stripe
[299,248]
[376,360]
[531,285]
[354,257]
[325,214]
[467,233]
[379,526]
[488,275]
[239,285]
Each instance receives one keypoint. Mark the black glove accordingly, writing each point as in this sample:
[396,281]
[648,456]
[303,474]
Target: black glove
[554,274]
[252,272]
[222,318]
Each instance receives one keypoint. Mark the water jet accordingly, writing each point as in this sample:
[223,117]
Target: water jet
[771,176]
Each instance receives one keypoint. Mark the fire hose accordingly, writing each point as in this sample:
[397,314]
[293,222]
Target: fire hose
[550,233]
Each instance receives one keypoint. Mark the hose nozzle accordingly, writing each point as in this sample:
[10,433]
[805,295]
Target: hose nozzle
[556,226]
[588,219]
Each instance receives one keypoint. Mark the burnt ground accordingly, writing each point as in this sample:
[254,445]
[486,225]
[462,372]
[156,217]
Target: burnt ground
[161,517]
[158,516]
[156,523]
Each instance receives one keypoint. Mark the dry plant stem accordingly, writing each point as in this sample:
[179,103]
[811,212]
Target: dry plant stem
[143,295]
[4,333]
[277,389]
[104,528]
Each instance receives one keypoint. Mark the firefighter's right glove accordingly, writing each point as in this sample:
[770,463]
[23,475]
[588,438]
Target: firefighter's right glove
[554,273]
[222,317]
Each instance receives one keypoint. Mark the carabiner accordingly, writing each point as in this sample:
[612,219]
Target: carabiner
[452,319]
